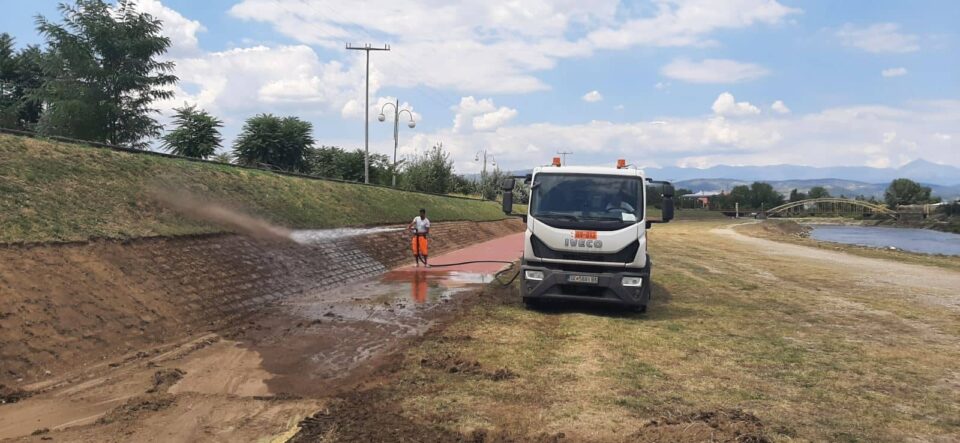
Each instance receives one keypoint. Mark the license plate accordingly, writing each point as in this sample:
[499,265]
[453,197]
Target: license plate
[590,279]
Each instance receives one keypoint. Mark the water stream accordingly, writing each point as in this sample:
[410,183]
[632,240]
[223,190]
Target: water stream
[923,241]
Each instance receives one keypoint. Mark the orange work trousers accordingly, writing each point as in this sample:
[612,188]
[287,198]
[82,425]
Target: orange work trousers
[419,245]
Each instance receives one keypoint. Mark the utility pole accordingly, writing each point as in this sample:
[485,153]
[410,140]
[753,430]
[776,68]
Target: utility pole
[563,156]
[366,109]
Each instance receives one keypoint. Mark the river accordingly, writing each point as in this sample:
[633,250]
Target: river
[914,240]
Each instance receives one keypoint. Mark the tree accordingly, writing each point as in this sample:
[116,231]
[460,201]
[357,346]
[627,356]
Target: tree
[29,87]
[796,196]
[104,73]
[222,157]
[8,81]
[429,172]
[20,79]
[740,194]
[903,191]
[197,134]
[819,192]
[762,195]
[334,162]
[267,140]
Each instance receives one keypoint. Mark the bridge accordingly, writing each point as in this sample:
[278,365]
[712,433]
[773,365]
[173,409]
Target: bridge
[830,206]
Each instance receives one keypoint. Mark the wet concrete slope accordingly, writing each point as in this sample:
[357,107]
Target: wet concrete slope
[64,307]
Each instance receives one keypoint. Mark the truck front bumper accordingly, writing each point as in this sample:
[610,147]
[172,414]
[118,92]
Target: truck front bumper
[557,285]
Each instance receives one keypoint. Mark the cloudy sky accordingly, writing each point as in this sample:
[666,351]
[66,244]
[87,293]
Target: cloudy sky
[662,82]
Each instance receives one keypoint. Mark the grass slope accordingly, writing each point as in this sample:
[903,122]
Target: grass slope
[59,192]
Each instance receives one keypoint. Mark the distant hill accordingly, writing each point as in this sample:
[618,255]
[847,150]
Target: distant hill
[917,170]
[836,187]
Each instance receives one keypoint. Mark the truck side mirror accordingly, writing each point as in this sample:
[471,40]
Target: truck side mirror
[667,191]
[508,201]
[667,211]
[527,179]
[507,184]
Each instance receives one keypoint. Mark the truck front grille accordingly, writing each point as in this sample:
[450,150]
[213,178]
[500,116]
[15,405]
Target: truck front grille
[625,255]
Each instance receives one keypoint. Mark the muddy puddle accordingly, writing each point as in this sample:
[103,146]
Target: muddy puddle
[315,344]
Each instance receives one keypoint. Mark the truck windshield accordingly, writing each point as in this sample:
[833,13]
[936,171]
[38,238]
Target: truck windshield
[578,197]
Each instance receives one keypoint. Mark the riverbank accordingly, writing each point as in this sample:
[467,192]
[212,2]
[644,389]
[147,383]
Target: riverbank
[791,231]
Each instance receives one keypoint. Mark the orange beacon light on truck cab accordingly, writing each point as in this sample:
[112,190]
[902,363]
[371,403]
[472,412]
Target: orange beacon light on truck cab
[621,163]
[556,161]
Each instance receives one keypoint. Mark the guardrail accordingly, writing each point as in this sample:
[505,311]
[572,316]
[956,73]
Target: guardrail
[273,170]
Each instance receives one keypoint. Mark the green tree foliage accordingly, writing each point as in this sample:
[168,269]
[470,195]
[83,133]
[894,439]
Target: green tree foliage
[904,191]
[270,141]
[429,172]
[8,81]
[104,73]
[757,196]
[21,78]
[334,162]
[819,192]
[196,134]
[762,195]
[796,196]
[464,185]
[222,157]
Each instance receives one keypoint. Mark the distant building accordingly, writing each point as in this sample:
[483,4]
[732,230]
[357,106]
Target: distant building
[701,198]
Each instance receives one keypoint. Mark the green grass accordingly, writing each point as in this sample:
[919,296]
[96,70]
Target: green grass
[60,192]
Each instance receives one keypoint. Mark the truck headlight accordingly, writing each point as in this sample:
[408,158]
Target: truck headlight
[631,281]
[534,275]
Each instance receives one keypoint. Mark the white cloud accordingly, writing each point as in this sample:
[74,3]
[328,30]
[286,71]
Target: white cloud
[508,42]
[725,104]
[592,96]
[493,120]
[480,115]
[779,107]
[181,31]
[713,71]
[894,72]
[878,38]
[849,135]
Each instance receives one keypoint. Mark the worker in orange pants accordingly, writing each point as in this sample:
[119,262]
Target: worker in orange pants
[420,228]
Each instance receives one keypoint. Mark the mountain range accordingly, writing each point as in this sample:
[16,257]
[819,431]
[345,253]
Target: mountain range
[836,187]
[918,170]
[851,181]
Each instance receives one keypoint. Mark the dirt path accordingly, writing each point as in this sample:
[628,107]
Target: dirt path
[931,284]
[258,378]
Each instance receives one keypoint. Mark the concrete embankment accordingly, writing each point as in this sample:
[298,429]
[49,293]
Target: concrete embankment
[67,306]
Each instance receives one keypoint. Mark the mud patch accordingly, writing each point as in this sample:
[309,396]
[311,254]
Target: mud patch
[11,395]
[135,407]
[164,379]
[731,425]
[458,365]
[365,417]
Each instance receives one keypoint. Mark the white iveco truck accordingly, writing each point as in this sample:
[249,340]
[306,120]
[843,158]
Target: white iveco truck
[586,235]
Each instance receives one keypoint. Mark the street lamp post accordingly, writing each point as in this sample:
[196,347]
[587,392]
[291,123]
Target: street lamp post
[483,153]
[483,172]
[396,131]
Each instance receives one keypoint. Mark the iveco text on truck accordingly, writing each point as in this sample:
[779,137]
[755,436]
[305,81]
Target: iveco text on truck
[586,236]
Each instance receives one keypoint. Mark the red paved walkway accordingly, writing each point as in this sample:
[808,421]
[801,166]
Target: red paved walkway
[509,248]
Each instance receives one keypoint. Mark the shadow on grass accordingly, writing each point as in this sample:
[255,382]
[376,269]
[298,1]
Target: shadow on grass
[659,308]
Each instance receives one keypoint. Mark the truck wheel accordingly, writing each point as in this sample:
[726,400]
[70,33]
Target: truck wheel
[531,303]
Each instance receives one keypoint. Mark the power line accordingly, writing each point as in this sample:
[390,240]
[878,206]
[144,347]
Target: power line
[562,154]
[366,114]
